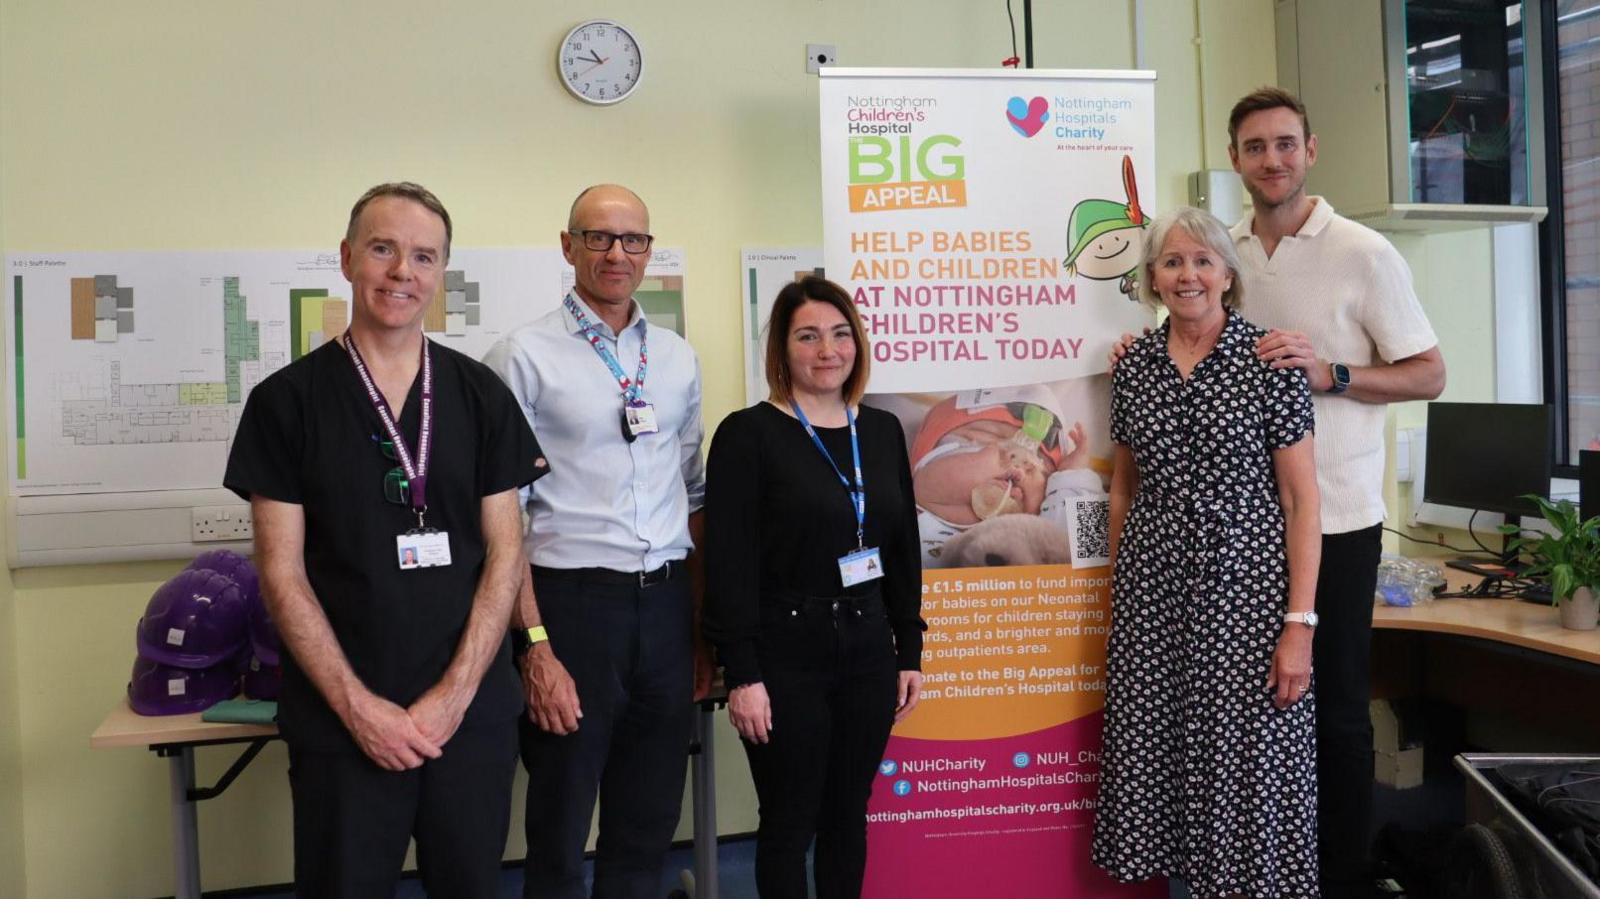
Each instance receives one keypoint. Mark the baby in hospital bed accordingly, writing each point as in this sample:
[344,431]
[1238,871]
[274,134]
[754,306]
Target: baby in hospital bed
[984,454]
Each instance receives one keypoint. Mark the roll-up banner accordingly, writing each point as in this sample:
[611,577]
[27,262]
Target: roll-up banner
[988,226]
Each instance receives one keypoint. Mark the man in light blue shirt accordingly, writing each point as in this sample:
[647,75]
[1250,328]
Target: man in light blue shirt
[615,402]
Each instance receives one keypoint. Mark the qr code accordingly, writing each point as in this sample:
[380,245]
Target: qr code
[1087,529]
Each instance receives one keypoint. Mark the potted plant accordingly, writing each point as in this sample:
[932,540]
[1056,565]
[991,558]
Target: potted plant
[1569,558]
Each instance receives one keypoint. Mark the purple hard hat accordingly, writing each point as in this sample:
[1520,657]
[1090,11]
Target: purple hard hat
[264,637]
[263,633]
[157,689]
[262,681]
[194,620]
[230,564]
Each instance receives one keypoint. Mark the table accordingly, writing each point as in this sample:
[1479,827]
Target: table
[175,738]
[1508,621]
[1505,656]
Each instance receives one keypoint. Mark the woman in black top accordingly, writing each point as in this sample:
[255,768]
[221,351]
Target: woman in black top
[814,609]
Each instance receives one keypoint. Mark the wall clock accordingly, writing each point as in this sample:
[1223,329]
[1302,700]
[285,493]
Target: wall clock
[599,62]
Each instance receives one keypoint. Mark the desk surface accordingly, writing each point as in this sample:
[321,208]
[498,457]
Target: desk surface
[125,727]
[1512,621]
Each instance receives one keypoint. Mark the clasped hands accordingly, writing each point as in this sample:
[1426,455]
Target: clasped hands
[399,739]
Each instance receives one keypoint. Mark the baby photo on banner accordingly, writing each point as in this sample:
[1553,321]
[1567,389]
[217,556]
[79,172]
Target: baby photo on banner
[988,226]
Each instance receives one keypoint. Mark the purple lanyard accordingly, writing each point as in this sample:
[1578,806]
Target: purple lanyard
[415,467]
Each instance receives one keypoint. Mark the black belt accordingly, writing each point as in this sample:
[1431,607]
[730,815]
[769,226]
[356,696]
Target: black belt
[611,577]
[862,602]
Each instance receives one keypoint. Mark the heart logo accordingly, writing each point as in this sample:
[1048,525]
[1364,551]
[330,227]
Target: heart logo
[1027,116]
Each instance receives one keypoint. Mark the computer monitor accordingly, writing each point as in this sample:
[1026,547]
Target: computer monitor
[1488,456]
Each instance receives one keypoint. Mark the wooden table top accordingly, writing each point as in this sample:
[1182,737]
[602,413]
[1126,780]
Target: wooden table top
[1511,621]
[125,727]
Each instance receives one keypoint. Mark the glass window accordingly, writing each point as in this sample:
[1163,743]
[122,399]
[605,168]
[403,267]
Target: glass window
[1575,259]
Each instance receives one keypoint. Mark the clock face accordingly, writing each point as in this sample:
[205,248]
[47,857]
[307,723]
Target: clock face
[599,62]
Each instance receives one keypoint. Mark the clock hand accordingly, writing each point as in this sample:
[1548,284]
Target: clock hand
[594,55]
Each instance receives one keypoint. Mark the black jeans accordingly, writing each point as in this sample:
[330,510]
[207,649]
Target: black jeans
[1341,658]
[629,650]
[353,820]
[829,670]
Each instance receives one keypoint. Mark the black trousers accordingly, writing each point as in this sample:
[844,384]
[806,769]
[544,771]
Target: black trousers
[631,653]
[829,670]
[354,820]
[1341,658]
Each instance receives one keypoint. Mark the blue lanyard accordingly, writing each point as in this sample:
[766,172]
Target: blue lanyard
[632,390]
[858,493]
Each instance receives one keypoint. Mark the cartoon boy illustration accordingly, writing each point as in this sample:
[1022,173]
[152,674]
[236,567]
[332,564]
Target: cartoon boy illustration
[1106,243]
[981,454]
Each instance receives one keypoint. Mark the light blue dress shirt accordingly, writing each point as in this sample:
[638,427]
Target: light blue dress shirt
[606,503]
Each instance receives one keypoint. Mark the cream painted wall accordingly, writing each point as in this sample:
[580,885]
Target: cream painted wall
[254,125]
[1454,275]
[12,869]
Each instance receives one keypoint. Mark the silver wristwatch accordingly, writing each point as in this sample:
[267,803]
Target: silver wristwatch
[1309,619]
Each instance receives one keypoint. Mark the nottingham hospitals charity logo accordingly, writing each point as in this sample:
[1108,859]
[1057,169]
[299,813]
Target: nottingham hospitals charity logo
[1027,116]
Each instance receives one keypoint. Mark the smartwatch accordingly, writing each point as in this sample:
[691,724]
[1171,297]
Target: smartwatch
[1341,377]
[523,640]
[1309,619]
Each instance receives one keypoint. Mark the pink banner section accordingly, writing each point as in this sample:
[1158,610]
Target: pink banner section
[1008,817]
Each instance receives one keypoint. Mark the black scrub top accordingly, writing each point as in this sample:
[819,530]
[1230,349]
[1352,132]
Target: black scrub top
[309,435]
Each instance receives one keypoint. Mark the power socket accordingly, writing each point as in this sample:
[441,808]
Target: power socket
[221,524]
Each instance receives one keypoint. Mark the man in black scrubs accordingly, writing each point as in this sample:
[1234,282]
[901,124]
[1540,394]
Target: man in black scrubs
[399,700]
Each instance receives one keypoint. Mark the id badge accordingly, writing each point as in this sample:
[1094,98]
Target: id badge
[640,419]
[860,566]
[422,549]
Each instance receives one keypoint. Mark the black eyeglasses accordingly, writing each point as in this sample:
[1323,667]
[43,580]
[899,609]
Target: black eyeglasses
[396,486]
[601,241]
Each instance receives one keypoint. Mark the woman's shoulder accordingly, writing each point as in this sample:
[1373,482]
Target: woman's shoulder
[1245,329]
[1153,342]
[1241,336]
[748,419]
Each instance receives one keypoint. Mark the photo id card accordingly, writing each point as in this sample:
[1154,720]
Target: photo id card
[423,549]
[640,419]
[860,566]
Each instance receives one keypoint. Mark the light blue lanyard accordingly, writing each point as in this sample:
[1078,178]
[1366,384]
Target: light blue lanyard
[632,389]
[858,494]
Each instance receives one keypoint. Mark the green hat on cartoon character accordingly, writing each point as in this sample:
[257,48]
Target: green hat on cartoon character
[1105,235]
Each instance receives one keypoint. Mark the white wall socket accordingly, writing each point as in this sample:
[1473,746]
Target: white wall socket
[221,524]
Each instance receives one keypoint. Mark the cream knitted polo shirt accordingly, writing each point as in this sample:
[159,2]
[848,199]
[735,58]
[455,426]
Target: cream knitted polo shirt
[1348,289]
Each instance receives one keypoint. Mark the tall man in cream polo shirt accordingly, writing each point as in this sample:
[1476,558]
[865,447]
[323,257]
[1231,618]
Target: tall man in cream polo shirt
[1339,301]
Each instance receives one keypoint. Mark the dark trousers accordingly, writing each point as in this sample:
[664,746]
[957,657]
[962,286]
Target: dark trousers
[1341,658]
[353,820]
[829,670]
[630,651]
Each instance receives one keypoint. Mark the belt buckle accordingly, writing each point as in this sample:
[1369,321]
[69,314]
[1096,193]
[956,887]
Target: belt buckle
[651,578]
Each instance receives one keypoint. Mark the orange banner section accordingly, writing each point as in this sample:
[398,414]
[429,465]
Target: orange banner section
[907,195]
[1010,650]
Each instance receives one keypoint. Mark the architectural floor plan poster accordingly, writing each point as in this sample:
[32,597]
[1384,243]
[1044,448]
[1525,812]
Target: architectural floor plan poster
[128,371]
[763,272]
